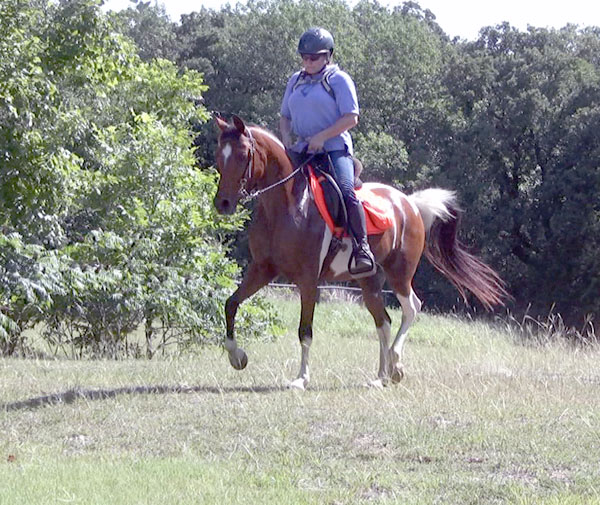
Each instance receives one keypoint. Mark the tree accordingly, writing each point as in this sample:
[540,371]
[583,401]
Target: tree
[106,222]
[151,28]
[527,155]
[507,121]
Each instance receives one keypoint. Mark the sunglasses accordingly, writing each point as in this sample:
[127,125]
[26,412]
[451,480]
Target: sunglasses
[312,57]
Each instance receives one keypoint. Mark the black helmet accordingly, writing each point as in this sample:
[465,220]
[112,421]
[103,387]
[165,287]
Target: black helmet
[315,41]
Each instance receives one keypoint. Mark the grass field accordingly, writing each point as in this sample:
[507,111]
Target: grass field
[480,418]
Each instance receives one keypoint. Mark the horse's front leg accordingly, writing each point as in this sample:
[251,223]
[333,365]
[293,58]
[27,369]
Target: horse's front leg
[308,296]
[373,298]
[257,276]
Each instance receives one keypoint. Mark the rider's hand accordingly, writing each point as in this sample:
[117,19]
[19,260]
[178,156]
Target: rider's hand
[316,143]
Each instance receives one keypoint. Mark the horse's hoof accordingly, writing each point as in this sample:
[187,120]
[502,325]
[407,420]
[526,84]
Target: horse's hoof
[299,384]
[238,359]
[377,384]
[397,375]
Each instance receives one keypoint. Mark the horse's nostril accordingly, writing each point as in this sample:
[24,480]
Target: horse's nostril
[223,205]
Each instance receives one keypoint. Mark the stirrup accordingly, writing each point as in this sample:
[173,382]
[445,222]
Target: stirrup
[362,271]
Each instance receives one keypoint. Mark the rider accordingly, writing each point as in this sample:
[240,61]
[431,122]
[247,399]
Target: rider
[321,119]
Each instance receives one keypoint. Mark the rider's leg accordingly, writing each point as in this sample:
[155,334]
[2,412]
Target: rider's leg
[344,171]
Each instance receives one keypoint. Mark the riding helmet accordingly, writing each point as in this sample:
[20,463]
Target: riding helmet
[315,41]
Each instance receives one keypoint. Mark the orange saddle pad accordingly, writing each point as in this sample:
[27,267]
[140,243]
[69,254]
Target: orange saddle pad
[378,211]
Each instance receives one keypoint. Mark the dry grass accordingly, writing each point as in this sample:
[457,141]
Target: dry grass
[479,419]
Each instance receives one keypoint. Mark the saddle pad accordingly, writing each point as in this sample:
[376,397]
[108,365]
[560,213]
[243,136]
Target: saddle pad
[378,211]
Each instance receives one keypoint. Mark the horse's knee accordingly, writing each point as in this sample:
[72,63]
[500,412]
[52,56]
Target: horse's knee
[231,305]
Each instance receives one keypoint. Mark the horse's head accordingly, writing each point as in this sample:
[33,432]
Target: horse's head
[237,162]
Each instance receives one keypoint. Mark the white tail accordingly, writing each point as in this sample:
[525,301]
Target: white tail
[439,212]
[434,203]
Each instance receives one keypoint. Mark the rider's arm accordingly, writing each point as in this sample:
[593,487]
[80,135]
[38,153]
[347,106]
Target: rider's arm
[285,128]
[346,122]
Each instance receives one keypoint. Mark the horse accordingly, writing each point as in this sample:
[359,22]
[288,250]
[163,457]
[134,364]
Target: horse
[287,236]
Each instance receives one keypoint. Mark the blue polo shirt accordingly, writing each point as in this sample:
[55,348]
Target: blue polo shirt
[312,109]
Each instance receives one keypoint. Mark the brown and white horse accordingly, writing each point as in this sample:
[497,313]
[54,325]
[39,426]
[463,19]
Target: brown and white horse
[287,236]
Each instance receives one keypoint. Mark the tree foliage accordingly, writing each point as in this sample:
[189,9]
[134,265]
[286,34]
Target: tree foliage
[98,177]
[106,222]
[509,121]
[527,156]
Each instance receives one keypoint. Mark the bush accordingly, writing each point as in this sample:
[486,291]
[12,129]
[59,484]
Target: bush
[106,223]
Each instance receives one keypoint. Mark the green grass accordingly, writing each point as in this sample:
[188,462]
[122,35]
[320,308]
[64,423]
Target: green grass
[479,419]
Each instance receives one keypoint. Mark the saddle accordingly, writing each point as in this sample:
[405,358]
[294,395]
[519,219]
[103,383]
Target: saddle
[330,203]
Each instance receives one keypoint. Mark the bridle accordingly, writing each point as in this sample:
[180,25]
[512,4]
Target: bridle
[249,171]
[246,196]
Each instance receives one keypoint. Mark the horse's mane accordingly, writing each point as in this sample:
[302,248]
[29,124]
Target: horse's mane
[232,133]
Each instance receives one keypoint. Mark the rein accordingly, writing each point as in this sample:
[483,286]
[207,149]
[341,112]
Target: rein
[247,197]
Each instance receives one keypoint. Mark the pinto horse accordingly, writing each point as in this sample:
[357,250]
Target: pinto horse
[288,236]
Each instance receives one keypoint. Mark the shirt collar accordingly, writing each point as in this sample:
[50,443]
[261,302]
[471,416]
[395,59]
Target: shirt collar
[318,76]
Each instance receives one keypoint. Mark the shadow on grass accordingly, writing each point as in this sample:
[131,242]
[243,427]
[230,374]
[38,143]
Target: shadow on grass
[73,395]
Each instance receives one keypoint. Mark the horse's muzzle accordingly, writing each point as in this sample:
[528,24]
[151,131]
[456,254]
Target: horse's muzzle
[225,205]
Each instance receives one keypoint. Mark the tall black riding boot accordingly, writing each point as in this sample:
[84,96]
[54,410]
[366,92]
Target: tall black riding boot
[363,257]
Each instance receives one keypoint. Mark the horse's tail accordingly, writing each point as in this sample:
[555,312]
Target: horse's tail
[440,214]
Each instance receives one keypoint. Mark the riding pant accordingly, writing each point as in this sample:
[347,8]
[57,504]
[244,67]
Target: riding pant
[343,164]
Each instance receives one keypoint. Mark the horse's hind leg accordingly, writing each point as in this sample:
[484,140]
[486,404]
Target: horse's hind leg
[372,296]
[411,305]
[257,276]
[400,273]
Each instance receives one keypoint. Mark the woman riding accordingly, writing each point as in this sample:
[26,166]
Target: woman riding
[320,106]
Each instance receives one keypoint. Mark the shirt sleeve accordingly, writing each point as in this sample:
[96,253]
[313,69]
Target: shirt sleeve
[285,107]
[345,93]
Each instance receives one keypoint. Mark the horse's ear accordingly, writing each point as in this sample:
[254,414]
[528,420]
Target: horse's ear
[221,123]
[238,122]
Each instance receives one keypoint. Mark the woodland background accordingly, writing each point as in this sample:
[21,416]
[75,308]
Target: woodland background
[106,154]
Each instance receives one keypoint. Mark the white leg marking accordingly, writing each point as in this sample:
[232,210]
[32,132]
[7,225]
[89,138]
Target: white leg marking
[237,355]
[304,375]
[384,332]
[410,307]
